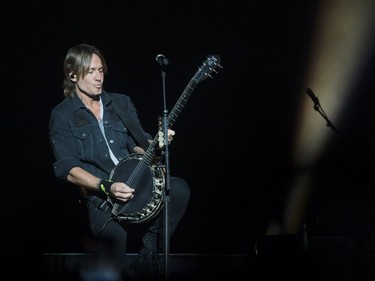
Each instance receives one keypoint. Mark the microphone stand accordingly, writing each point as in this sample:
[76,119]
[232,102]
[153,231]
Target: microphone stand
[319,109]
[167,179]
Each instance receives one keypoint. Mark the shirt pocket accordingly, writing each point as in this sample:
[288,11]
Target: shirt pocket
[122,137]
[83,137]
[82,133]
[120,132]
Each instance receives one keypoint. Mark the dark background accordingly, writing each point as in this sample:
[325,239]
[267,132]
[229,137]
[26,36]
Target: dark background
[233,138]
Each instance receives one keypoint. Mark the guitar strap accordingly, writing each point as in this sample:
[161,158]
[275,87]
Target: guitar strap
[137,133]
[134,129]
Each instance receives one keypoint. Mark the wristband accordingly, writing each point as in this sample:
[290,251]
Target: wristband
[105,186]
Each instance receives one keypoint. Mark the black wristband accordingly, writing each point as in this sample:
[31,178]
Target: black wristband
[105,186]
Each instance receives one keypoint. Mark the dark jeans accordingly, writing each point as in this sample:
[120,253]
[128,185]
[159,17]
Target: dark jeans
[112,235]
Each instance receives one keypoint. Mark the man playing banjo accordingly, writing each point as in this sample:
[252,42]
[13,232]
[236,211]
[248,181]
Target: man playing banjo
[89,141]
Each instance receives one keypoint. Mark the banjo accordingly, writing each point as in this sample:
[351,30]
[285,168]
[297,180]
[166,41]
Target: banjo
[142,172]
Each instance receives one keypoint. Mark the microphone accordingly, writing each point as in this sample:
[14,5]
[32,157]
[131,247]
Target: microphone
[313,97]
[161,59]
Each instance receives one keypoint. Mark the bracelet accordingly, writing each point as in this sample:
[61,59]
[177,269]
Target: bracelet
[105,186]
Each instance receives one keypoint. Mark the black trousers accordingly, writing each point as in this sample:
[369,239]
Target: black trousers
[112,236]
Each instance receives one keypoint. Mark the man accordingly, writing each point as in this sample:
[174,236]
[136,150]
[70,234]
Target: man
[89,140]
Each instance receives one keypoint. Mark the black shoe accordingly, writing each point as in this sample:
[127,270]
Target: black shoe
[144,266]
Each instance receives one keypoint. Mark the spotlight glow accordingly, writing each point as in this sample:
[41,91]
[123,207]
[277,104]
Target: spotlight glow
[342,43]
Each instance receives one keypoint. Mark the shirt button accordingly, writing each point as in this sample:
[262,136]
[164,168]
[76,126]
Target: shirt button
[111,141]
